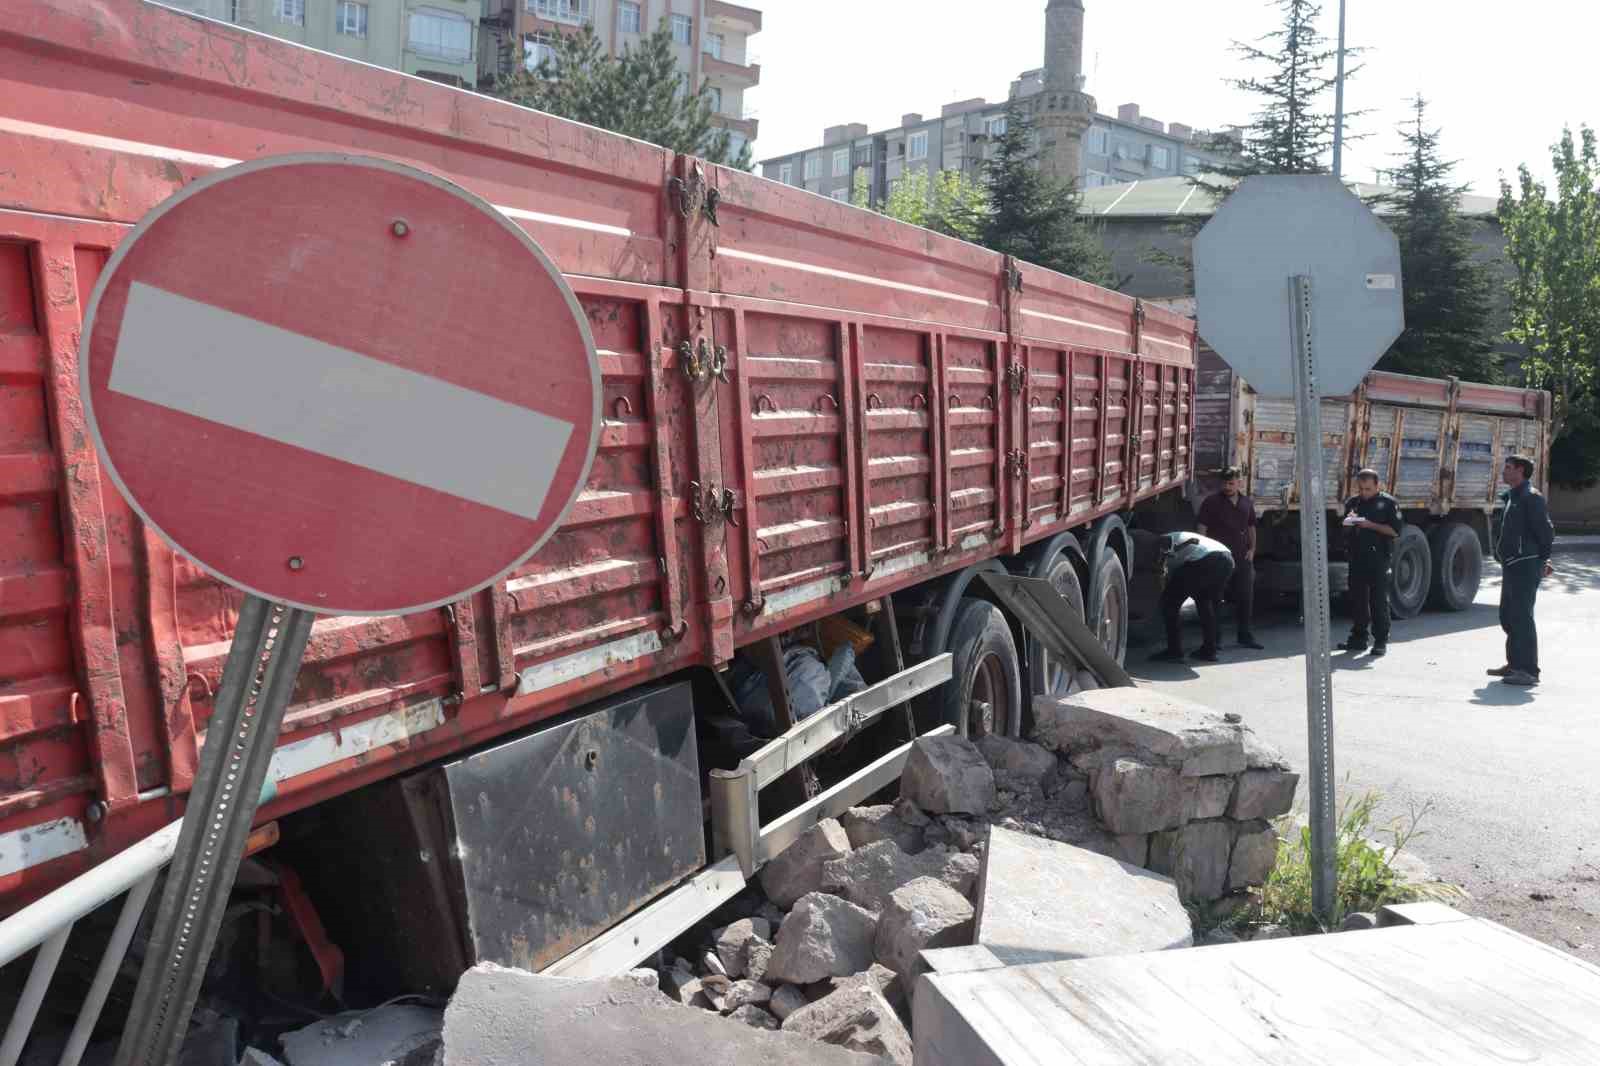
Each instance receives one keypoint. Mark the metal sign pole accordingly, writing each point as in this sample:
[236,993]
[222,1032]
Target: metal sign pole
[1314,591]
[257,681]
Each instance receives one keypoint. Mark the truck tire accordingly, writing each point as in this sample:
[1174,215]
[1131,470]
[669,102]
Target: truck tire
[1412,573]
[984,693]
[1108,603]
[1047,675]
[1457,559]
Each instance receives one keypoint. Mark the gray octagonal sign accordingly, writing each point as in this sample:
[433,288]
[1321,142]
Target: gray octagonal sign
[1269,230]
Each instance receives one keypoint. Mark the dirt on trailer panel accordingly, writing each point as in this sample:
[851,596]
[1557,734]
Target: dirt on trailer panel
[1437,445]
[806,407]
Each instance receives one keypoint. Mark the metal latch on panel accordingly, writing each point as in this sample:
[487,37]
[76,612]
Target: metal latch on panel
[710,504]
[702,360]
[1016,377]
[689,193]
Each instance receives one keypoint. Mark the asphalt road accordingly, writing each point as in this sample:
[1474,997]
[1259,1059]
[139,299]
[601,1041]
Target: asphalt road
[1510,773]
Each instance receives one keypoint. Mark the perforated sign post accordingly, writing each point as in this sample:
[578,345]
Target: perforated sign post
[1340,265]
[344,386]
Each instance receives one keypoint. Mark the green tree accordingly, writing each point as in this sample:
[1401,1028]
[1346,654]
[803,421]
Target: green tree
[1555,295]
[640,93]
[1034,216]
[951,203]
[1447,304]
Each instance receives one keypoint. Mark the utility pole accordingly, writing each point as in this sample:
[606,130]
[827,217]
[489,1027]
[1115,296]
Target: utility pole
[1338,104]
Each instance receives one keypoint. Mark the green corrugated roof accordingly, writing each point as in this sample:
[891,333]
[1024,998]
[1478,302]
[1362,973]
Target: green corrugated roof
[1174,197]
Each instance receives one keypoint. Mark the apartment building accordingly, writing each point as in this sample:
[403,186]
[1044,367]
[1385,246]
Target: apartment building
[435,39]
[712,39]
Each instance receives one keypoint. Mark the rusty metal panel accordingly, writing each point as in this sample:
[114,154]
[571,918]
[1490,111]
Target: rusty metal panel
[1417,479]
[1382,420]
[974,438]
[897,431]
[1273,448]
[1049,421]
[568,830]
[1476,472]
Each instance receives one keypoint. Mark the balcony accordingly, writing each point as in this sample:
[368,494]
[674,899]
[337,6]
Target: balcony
[741,73]
[733,17]
[747,125]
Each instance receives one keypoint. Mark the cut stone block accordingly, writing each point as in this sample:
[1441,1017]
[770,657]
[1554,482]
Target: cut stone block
[1263,794]
[923,914]
[797,869]
[868,825]
[1016,756]
[856,1016]
[1255,852]
[1137,797]
[824,936]
[1040,901]
[947,775]
[1154,726]
[1196,857]
[1211,797]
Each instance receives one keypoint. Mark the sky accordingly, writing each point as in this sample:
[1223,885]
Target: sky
[1501,78]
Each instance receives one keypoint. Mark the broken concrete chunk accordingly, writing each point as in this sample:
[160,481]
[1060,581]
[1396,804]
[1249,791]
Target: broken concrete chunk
[644,977]
[732,940]
[1259,755]
[1196,857]
[868,825]
[502,1017]
[786,1000]
[798,868]
[824,936]
[867,875]
[690,993]
[711,963]
[1255,852]
[925,913]
[855,1017]
[910,813]
[1210,797]
[754,1016]
[381,1035]
[1263,794]
[1040,901]
[743,992]
[675,980]
[1016,756]
[254,1056]
[1137,797]
[757,957]
[1156,727]
[947,775]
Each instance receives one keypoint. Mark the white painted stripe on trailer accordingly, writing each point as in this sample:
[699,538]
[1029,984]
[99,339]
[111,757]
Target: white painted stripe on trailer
[1169,344]
[545,675]
[31,845]
[346,742]
[562,220]
[239,372]
[112,144]
[1072,321]
[845,275]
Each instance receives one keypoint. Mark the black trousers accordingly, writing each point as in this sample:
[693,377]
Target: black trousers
[1242,591]
[1369,599]
[1203,582]
[1519,588]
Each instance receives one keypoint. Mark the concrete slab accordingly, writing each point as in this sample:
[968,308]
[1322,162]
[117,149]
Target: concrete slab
[502,1017]
[1040,901]
[1190,737]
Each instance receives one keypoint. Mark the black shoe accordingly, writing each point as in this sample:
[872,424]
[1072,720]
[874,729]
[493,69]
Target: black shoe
[1205,655]
[1501,671]
[1380,650]
[1247,640]
[1167,656]
[1352,645]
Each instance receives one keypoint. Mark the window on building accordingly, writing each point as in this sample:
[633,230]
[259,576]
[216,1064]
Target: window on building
[629,19]
[1160,157]
[713,45]
[440,34]
[714,94]
[842,195]
[1097,142]
[786,173]
[813,166]
[575,12]
[350,18]
[917,145]
[290,11]
[240,10]
[1094,179]
[995,126]
[538,48]
[682,29]
[841,162]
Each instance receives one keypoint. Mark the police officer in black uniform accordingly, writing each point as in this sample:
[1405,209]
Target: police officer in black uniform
[1372,521]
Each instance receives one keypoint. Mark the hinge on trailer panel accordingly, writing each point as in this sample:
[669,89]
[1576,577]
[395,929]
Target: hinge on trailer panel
[701,360]
[712,199]
[726,502]
[1013,277]
[689,193]
[1016,462]
[1016,377]
[1138,313]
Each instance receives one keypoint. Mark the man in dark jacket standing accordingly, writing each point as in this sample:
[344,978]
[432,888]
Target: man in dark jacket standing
[1523,551]
[1372,520]
[1230,517]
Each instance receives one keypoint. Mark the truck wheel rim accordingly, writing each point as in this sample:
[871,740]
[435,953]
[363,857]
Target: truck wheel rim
[989,705]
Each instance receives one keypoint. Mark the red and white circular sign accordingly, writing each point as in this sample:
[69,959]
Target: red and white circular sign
[341,383]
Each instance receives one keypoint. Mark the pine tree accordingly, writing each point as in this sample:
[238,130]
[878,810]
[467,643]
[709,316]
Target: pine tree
[1034,216]
[640,93]
[1447,304]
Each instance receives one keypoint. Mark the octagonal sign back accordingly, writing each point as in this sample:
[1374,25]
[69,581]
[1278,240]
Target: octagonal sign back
[1272,228]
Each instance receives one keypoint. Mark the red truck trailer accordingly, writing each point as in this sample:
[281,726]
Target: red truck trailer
[813,415]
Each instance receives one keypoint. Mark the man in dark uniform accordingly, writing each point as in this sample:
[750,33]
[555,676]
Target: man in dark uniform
[1197,568]
[1372,521]
[1230,517]
[1523,551]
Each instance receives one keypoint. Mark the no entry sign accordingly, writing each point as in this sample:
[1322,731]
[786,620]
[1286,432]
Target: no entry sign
[341,383]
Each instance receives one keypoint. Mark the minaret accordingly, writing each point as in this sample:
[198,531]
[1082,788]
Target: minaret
[1064,109]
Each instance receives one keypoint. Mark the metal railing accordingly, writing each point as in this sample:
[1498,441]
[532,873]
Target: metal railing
[46,923]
